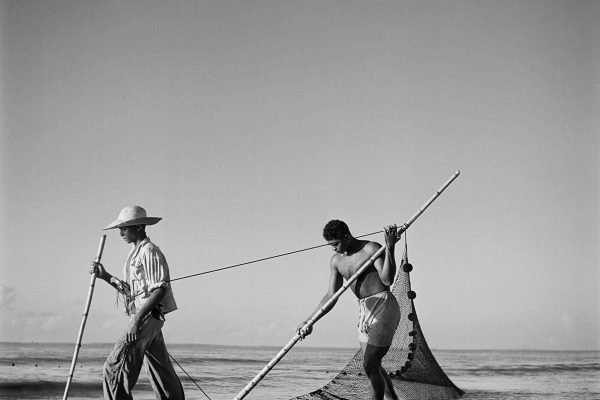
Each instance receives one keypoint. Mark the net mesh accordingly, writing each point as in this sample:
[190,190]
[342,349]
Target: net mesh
[412,367]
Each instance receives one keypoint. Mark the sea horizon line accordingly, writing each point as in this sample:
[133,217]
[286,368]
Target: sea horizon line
[108,343]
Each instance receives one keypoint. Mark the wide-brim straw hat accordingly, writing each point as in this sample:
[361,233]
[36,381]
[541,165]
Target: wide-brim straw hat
[133,215]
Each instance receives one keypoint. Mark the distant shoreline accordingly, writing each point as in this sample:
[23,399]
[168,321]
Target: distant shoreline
[266,346]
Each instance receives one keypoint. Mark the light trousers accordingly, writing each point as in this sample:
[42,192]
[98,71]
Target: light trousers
[123,365]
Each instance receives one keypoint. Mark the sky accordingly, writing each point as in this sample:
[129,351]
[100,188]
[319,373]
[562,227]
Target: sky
[247,125]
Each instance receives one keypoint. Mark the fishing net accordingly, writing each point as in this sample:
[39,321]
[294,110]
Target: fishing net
[412,367]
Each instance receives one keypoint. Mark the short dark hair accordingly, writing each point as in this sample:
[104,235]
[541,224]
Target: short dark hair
[335,230]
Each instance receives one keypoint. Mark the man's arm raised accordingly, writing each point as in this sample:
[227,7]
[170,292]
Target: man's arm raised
[386,268]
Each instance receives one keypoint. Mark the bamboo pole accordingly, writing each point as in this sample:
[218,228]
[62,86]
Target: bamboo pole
[84,318]
[319,313]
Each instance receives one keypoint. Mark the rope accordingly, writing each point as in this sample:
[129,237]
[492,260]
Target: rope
[247,263]
[405,256]
[263,259]
[188,375]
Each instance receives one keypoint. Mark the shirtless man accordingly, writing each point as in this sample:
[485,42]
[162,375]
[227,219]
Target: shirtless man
[379,312]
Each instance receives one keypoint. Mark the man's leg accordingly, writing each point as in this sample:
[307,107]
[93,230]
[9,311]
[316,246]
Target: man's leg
[389,386]
[165,382]
[381,383]
[122,370]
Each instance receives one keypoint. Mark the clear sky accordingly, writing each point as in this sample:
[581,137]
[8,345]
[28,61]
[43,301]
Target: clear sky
[247,125]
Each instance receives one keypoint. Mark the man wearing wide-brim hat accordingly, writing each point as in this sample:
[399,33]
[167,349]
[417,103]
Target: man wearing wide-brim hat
[148,297]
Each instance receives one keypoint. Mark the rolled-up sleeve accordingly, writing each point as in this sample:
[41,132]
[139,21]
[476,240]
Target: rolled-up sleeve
[156,271]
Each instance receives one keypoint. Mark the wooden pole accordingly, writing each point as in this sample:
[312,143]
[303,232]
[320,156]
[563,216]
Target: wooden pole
[84,319]
[319,313]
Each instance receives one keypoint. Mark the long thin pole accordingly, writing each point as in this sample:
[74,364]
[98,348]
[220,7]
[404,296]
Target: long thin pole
[319,313]
[84,318]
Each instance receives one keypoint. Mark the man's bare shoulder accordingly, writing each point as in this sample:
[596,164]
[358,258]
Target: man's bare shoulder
[370,248]
[335,259]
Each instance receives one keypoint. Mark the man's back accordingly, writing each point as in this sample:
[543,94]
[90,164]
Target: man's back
[347,265]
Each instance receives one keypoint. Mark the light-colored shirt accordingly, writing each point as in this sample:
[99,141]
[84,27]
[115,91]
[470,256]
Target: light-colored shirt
[145,270]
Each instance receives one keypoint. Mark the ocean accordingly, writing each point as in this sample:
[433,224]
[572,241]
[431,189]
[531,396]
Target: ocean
[40,370]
